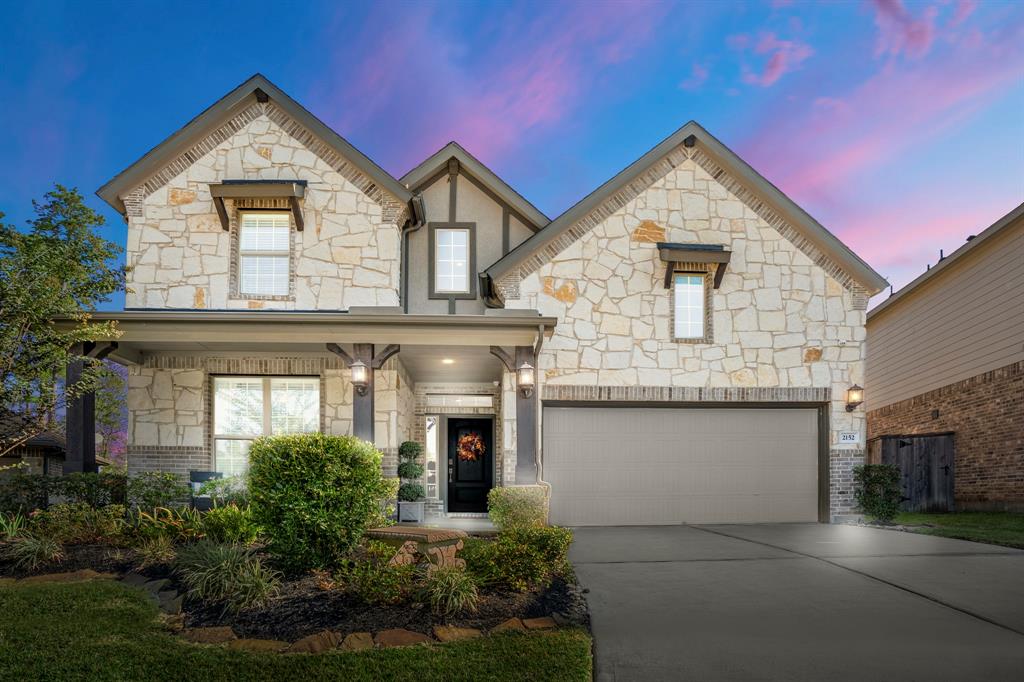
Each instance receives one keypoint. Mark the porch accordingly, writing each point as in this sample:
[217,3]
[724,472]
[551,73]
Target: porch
[203,383]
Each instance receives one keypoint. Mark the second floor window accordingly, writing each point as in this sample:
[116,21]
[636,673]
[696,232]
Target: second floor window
[264,244]
[689,306]
[451,261]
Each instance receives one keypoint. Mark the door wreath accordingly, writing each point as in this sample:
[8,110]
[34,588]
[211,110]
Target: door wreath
[471,447]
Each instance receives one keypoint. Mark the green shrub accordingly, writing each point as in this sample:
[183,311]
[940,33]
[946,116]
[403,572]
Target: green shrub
[152,489]
[226,574]
[410,492]
[95,490]
[314,495]
[521,506]
[450,591]
[230,490]
[230,524]
[519,559]
[369,575]
[385,515]
[11,526]
[877,490]
[180,524]
[29,552]
[155,551]
[74,524]
[21,491]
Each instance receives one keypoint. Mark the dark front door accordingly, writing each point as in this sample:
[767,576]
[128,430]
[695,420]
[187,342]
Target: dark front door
[470,463]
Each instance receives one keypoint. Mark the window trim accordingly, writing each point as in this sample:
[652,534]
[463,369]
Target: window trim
[708,281]
[237,255]
[266,422]
[432,292]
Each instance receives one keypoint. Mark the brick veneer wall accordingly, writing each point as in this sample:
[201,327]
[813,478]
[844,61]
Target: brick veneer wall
[986,412]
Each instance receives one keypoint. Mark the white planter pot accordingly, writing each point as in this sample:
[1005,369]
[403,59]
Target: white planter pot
[411,511]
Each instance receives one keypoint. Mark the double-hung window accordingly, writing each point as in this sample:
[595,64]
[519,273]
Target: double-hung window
[245,408]
[264,251]
[451,261]
[689,296]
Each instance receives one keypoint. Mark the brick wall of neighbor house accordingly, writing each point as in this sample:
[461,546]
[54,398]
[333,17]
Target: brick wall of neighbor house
[987,414]
[785,319]
[170,406]
[181,257]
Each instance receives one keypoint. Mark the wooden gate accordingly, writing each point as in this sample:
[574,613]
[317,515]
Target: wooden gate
[926,464]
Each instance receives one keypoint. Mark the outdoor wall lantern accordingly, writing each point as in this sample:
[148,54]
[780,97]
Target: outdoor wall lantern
[525,379]
[854,397]
[360,377]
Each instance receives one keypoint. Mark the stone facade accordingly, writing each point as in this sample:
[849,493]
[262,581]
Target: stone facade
[781,319]
[180,257]
[986,414]
[170,405]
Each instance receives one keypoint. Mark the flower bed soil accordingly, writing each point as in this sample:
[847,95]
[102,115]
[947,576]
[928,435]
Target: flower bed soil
[303,608]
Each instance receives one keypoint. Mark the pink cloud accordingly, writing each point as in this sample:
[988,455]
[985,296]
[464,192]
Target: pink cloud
[964,9]
[899,31]
[785,56]
[698,75]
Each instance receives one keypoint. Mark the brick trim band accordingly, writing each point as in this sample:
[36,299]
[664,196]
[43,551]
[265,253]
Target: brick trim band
[685,394]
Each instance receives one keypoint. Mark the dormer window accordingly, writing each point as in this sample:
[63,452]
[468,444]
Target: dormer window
[453,260]
[264,250]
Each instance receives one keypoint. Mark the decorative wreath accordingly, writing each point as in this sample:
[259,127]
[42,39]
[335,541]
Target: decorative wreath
[471,447]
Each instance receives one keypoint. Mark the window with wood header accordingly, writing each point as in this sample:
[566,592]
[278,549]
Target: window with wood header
[689,303]
[264,249]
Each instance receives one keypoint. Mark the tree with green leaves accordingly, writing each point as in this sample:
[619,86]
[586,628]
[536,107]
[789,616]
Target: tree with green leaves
[52,276]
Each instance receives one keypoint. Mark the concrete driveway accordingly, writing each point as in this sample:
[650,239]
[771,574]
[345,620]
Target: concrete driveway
[800,602]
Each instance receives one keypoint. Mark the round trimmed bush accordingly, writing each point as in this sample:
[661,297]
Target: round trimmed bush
[314,495]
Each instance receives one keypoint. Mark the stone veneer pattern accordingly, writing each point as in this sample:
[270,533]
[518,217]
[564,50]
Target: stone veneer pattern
[781,322]
[348,254]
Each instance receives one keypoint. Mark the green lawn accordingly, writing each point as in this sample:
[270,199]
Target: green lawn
[998,528]
[104,631]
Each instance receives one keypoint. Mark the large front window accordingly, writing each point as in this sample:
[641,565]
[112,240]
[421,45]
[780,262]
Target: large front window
[451,261]
[264,246]
[245,408]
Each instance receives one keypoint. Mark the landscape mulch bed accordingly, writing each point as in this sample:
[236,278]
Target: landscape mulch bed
[303,607]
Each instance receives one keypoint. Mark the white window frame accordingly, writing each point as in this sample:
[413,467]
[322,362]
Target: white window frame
[266,422]
[468,259]
[685,314]
[285,254]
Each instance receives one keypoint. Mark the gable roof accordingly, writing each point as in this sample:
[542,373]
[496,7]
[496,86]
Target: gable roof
[1012,218]
[244,95]
[425,173]
[806,226]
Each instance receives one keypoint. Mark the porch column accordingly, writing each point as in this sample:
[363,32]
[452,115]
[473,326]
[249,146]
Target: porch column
[80,417]
[362,405]
[526,422]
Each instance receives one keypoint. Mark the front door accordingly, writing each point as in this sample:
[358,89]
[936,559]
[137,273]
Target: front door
[470,463]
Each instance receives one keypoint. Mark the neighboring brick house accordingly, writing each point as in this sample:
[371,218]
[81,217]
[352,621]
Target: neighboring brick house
[946,354]
[43,453]
[677,347]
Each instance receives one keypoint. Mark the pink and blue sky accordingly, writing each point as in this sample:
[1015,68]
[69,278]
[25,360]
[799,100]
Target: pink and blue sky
[898,125]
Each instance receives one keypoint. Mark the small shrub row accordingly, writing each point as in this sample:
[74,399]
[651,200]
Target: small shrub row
[29,552]
[25,492]
[523,506]
[520,558]
[78,523]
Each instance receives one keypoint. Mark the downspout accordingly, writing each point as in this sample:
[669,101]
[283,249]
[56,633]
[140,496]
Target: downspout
[540,441]
[415,222]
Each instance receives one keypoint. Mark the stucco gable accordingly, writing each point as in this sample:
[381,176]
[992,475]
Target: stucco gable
[230,115]
[689,142]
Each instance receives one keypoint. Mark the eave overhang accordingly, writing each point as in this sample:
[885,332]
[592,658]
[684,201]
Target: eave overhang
[198,331]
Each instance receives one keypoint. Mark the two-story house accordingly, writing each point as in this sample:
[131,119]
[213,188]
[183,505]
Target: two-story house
[679,346]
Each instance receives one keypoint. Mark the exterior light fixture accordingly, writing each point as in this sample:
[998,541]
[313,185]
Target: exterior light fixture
[525,379]
[854,397]
[360,377]
[448,361]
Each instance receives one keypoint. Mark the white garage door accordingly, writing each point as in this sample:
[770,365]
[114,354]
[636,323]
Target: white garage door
[640,466]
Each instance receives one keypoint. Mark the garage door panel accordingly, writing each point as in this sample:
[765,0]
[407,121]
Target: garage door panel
[645,466]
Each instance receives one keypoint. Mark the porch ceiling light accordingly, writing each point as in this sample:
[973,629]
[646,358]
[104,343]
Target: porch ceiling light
[360,376]
[447,361]
[854,397]
[525,379]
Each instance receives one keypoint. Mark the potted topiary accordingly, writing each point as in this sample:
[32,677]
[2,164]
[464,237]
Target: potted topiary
[410,493]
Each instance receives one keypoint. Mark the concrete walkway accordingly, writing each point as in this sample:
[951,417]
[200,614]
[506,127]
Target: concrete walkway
[800,602]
